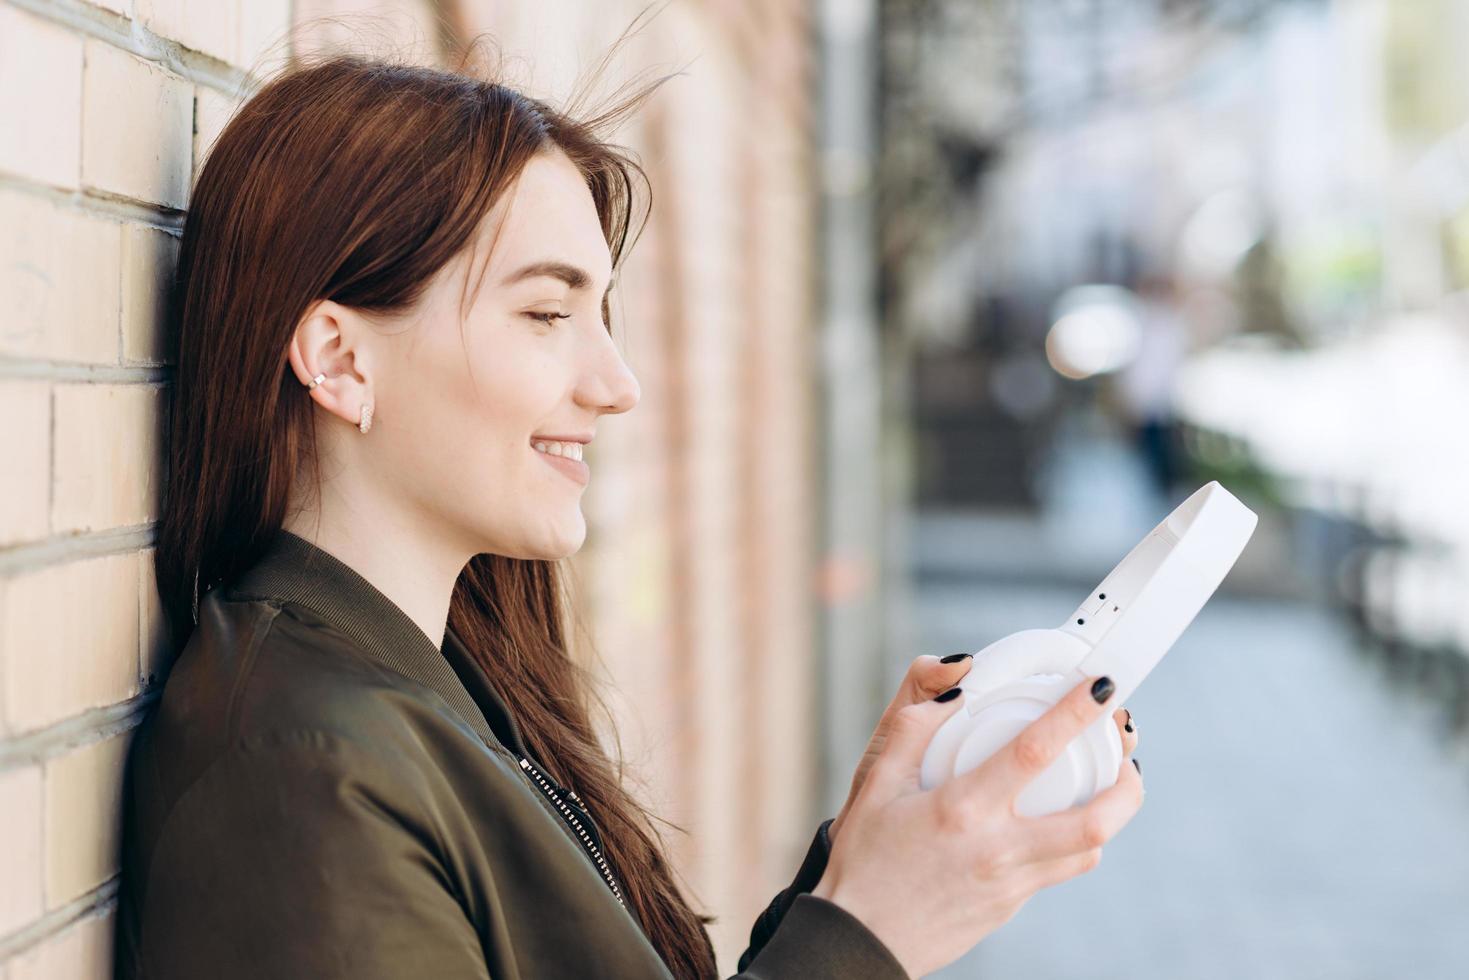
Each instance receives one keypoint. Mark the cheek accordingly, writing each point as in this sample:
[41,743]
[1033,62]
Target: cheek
[443,427]
[507,396]
[511,396]
[473,406]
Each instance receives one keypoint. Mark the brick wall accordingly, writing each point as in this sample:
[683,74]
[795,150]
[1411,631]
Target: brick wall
[695,582]
[104,110]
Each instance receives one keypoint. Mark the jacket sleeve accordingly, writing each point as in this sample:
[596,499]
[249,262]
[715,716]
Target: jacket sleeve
[300,857]
[800,935]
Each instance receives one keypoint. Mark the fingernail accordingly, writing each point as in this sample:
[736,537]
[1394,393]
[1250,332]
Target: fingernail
[950,694]
[1128,727]
[1137,765]
[954,658]
[1102,689]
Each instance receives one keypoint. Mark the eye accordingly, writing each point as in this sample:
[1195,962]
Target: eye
[546,318]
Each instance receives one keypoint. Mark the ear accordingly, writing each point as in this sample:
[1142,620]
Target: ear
[329,341]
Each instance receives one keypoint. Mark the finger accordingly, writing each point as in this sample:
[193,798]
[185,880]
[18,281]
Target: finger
[1083,828]
[1047,873]
[1028,754]
[943,673]
[929,676]
[1127,728]
[896,769]
[905,695]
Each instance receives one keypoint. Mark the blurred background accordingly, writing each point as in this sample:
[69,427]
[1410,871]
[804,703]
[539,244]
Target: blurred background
[1128,247]
[942,305]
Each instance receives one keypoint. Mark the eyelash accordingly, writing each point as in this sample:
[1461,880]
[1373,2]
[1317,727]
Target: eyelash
[546,318]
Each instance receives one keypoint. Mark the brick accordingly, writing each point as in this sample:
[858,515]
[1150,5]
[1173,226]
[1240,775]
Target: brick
[149,256]
[83,805]
[40,99]
[25,445]
[137,126]
[207,26]
[20,857]
[68,639]
[264,43]
[155,641]
[81,951]
[107,455]
[212,110]
[59,274]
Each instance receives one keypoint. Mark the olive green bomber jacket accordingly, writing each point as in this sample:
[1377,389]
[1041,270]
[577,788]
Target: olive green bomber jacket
[321,792]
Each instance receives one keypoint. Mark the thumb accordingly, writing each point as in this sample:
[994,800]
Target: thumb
[932,676]
[896,771]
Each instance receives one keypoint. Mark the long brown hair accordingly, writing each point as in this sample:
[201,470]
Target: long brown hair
[355,178]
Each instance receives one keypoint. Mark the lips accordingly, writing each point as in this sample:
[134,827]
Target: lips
[573,469]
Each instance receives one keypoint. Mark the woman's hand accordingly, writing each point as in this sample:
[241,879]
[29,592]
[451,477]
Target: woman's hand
[931,873]
[927,677]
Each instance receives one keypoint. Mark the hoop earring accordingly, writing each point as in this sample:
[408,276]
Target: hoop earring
[364,420]
[316,381]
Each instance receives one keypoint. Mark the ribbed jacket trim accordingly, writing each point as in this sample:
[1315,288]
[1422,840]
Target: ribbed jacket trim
[294,570]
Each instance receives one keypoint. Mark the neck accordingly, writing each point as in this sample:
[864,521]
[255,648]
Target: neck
[409,565]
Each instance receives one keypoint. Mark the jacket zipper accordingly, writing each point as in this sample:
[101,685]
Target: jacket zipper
[544,785]
[586,840]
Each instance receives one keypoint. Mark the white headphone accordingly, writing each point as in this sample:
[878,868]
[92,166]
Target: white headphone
[1122,630]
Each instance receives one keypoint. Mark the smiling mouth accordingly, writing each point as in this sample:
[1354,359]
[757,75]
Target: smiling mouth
[565,450]
[575,469]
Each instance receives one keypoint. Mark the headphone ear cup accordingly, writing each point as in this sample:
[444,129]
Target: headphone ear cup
[1002,715]
[1084,768]
[992,679]
[989,721]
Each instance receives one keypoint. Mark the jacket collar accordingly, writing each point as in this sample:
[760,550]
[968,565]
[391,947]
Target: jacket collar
[292,569]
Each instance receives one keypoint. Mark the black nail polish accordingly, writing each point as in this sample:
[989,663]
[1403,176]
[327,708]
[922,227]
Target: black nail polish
[1137,765]
[954,658]
[1102,689]
[950,694]
[1128,727]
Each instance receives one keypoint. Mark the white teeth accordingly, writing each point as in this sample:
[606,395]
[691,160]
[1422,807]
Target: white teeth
[571,450]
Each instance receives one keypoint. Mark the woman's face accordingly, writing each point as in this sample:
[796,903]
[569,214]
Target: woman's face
[455,422]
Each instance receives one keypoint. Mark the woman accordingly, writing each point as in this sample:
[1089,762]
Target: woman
[373,758]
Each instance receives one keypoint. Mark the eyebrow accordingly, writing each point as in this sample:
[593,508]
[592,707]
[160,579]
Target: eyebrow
[573,276]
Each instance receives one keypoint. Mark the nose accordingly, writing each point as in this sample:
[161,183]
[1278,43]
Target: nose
[610,387]
[626,392]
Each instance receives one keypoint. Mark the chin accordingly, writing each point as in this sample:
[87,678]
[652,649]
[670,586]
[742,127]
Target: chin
[553,542]
[569,548]
[563,542]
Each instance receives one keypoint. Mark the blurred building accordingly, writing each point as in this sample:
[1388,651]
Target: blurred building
[1293,176]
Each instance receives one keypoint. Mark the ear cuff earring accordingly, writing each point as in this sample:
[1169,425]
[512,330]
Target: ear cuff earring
[364,415]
